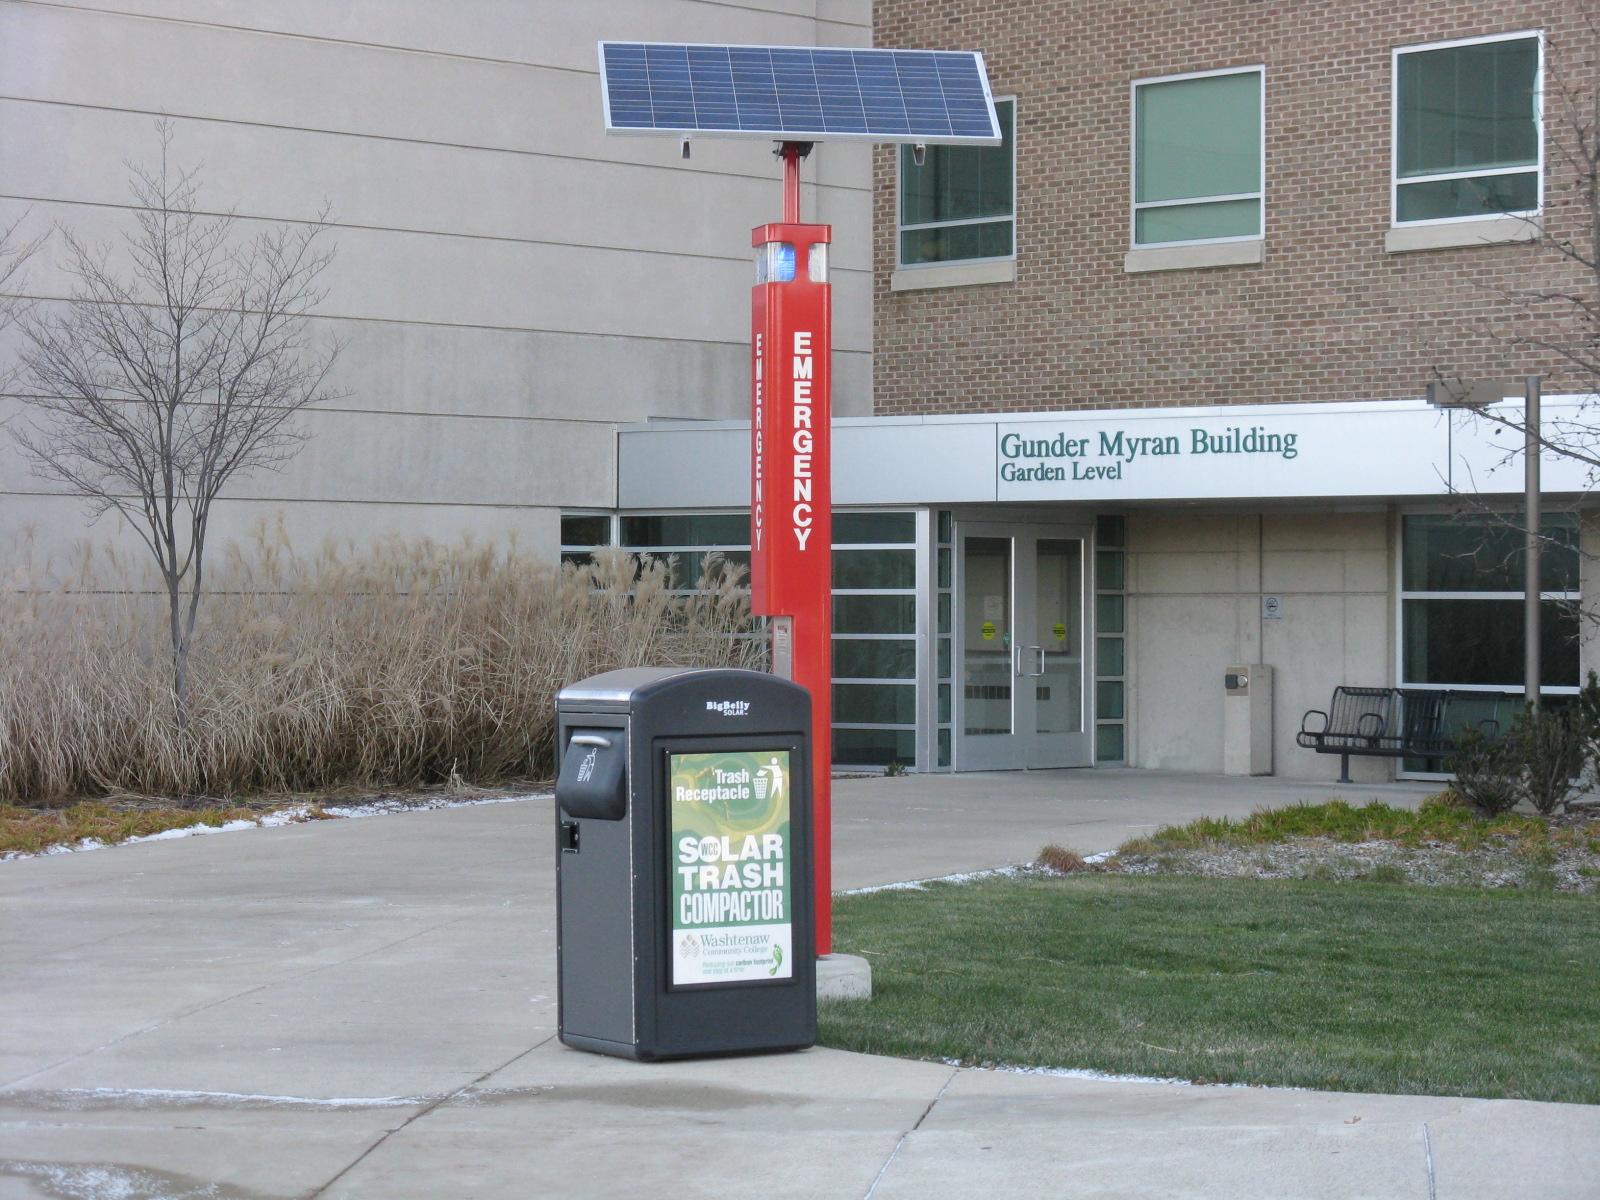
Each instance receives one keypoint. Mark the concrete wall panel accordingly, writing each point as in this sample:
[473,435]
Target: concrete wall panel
[509,279]
[401,458]
[1213,573]
[388,276]
[665,207]
[131,64]
[390,367]
[1303,571]
[1192,614]
[35,533]
[1183,645]
[560,35]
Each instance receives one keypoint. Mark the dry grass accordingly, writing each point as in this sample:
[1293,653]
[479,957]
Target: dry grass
[30,830]
[1441,820]
[1060,860]
[402,664]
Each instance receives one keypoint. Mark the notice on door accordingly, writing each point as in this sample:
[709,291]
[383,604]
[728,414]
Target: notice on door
[729,857]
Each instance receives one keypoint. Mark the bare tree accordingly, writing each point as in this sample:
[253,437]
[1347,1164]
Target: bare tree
[1553,324]
[14,255]
[175,367]
[1548,324]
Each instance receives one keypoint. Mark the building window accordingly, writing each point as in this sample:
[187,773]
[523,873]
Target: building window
[1110,647]
[691,544]
[959,205]
[875,638]
[1198,157]
[1467,140]
[875,642]
[1461,603]
[582,534]
[944,538]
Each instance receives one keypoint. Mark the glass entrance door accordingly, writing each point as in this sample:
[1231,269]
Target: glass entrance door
[1021,638]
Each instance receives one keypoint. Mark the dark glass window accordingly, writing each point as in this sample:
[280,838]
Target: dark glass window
[687,529]
[1109,657]
[874,747]
[1479,642]
[1110,530]
[943,202]
[1463,111]
[886,659]
[855,527]
[1477,554]
[875,704]
[872,570]
[585,529]
[874,614]
[1108,743]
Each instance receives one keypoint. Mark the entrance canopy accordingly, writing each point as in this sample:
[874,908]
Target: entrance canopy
[1375,450]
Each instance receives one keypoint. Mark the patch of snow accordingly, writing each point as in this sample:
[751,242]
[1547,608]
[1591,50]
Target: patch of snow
[1094,860]
[1098,1076]
[102,1181]
[294,815]
[83,1099]
[921,885]
[379,808]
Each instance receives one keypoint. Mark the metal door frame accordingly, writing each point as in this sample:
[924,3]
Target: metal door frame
[1028,748]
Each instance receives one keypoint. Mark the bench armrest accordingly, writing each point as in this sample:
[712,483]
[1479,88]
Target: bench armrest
[1315,712]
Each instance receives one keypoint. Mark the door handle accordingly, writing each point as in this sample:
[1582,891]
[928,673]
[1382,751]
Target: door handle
[1040,651]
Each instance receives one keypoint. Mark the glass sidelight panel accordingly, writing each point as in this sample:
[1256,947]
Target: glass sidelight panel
[1057,659]
[986,673]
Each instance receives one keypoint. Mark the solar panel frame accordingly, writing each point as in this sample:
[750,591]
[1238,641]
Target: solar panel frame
[903,96]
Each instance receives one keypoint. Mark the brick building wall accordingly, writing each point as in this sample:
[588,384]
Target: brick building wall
[1329,314]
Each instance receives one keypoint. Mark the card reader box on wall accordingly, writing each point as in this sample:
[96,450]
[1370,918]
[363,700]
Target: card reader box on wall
[1247,720]
[684,864]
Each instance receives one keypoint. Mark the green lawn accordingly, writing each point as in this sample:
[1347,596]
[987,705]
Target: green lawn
[1356,987]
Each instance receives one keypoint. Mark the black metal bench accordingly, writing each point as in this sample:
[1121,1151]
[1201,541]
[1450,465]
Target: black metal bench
[1378,722]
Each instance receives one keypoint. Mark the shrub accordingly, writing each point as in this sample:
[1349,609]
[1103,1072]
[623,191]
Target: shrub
[1587,718]
[1541,760]
[1487,771]
[396,665]
[1552,750]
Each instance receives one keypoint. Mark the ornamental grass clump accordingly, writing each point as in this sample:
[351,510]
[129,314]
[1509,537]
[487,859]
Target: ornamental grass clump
[400,664]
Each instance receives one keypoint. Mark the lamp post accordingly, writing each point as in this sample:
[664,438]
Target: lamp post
[1455,393]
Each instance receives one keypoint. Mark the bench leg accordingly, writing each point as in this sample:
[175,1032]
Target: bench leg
[1344,768]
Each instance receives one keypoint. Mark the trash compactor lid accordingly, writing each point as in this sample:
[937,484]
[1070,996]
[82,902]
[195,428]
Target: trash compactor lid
[618,691]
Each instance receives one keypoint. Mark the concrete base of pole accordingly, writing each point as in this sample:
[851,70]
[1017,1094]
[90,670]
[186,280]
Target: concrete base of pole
[844,977]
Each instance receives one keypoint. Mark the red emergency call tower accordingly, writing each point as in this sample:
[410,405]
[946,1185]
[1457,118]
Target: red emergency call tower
[791,492]
[796,96]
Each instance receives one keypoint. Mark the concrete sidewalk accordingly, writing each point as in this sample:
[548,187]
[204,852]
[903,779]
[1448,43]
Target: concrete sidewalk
[366,1008]
[916,826]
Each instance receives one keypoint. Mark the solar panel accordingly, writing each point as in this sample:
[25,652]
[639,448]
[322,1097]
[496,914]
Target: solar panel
[798,93]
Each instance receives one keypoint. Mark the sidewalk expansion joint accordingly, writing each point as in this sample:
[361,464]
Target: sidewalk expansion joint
[1427,1152]
[445,1098]
[888,1162]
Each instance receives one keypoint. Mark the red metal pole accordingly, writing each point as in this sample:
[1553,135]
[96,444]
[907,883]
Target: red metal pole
[791,183]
